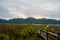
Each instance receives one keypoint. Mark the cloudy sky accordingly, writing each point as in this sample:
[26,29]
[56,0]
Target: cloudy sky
[29,8]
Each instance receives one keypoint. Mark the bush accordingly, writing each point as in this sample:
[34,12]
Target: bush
[4,37]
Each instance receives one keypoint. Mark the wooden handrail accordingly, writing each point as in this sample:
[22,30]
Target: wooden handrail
[51,35]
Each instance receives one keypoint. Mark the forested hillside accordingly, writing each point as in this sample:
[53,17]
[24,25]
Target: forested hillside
[31,20]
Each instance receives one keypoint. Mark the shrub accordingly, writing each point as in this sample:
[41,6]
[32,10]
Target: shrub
[4,37]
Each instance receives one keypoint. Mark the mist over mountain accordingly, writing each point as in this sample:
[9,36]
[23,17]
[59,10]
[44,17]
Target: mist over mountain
[31,20]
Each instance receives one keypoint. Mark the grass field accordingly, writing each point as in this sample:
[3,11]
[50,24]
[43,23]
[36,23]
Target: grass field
[18,32]
[23,31]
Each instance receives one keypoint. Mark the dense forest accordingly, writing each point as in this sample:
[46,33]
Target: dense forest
[30,20]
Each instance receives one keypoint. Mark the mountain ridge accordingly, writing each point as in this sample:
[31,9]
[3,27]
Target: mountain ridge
[31,20]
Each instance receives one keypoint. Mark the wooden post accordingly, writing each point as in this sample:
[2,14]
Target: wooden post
[59,35]
[40,32]
[47,35]
[47,32]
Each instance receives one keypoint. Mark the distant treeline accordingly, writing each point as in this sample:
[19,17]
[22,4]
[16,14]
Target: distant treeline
[31,20]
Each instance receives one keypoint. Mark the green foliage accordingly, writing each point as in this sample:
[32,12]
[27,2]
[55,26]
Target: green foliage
[30,20]
[33,38]
[18,32]
[4,37]
[29,31]
[23,31]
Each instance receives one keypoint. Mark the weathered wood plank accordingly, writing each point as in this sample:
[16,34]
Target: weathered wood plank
[48,36]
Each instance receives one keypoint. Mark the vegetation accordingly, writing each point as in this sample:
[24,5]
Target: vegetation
[51,28]
[31,20]
[18,32]
[24,31]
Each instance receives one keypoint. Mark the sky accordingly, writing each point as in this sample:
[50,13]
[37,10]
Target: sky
[30,8]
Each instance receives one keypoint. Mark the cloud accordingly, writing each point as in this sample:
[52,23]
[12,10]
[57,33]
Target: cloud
[29,8]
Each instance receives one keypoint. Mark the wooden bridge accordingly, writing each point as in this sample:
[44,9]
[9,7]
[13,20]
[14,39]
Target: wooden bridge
[49,35]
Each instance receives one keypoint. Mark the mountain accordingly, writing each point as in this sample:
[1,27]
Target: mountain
[3,21]
[31,20]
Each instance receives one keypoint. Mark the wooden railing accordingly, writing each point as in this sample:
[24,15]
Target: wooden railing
[49,35]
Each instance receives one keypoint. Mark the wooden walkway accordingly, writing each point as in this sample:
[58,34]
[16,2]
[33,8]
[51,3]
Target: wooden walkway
[45,36]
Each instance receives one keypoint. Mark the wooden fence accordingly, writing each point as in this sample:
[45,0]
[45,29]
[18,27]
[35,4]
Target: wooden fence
[49,35]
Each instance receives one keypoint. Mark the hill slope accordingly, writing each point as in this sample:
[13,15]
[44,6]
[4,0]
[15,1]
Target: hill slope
[31,20]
